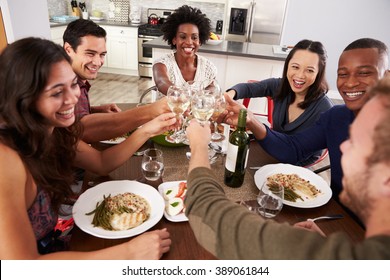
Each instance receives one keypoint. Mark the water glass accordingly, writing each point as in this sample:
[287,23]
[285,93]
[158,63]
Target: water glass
[152,164]
[270,200]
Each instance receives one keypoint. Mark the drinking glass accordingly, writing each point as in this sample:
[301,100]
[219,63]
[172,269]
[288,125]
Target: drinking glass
[220,106]
[193,86]
[152,164]
[202,106]
[178,99]
[213,87]
[270,200]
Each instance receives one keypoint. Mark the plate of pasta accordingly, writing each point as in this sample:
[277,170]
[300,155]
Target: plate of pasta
[133,208]
[302,187]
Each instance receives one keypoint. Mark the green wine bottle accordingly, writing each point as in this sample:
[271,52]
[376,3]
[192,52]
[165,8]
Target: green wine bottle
[237,153]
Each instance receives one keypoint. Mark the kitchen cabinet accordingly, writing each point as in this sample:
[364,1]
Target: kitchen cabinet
[210,1]
[122,50]
[56,34]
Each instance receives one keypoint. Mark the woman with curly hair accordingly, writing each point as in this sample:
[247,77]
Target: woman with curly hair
[185,30]
[39,146]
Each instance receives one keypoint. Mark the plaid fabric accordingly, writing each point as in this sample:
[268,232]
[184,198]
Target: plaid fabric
[83,107]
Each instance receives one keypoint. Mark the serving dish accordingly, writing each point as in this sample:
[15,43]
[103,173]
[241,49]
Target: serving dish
[161,188]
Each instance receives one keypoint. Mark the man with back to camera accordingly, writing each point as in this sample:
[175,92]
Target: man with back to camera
[361,64]
[85,43]
[230,231]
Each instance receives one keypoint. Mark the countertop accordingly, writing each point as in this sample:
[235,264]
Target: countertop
[241,49]
[101,22]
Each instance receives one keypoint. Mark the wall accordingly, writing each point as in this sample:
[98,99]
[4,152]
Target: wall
[25,18]
[213,11]
[336,24]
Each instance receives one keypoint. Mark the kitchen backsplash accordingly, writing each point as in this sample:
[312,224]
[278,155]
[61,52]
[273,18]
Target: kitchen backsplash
[214,11]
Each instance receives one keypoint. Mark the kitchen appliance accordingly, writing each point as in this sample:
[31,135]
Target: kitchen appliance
[219,27]
[257,21]
[153,19]
[148,32]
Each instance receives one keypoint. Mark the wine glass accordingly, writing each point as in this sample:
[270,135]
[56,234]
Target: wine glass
[152,164]
[202,106]
[193,87]
[214,88]
[270,199]
[178,99]
[220,106]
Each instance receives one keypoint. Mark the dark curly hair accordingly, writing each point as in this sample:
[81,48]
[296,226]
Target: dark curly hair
[182,15]
[320,85]
[25,70]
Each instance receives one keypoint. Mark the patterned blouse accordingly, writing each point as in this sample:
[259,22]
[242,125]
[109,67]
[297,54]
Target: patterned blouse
[42,217]
[206,70]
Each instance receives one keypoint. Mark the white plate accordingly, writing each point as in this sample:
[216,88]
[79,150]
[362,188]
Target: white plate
[87,202]
[161,188]
[316,180]
[116,140]
[213,42]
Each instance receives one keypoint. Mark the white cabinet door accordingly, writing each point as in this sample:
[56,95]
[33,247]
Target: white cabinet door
[242,69]
[122,49]
[56,34]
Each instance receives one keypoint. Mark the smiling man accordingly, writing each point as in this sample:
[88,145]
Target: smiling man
[361,64]
[85,43]
[230,231]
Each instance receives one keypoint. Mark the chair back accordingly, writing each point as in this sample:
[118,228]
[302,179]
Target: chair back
[269,104]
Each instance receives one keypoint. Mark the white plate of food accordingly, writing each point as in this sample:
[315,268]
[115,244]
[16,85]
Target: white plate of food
[114,141]
[173,194]
[312,190]
[88,201]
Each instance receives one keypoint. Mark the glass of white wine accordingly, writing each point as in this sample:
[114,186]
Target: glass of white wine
[152,164]
[202,106]
[213,87]
[178,99]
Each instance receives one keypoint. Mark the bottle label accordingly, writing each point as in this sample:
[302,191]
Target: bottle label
[231,157]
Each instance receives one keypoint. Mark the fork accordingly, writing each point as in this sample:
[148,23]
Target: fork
[329,217]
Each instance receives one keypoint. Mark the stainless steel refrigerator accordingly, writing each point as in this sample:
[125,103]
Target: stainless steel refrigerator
[257,21]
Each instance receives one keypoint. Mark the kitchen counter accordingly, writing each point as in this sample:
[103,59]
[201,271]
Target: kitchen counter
[251,50]
[101,22]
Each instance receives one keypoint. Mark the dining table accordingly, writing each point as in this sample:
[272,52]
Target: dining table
[184,244]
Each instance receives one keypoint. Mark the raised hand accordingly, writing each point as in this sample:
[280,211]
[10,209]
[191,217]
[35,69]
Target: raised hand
[160,124]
